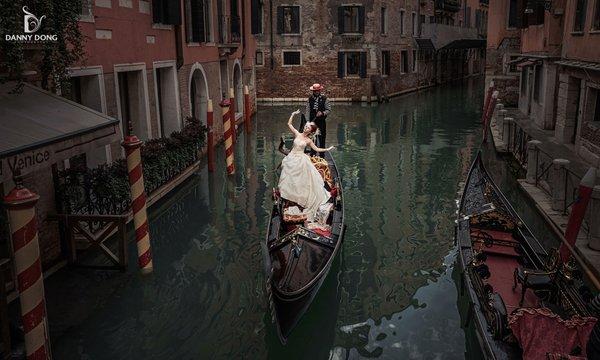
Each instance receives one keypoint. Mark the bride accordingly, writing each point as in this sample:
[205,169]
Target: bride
[300,181]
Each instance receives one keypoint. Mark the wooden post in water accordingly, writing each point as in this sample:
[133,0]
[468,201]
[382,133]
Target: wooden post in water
[232,110]
[30,282]
[247,115]
[228,133]
[488,114]
[210,137]
[133,152]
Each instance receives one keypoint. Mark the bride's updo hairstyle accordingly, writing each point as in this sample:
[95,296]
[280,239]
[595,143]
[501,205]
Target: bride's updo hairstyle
[313,127]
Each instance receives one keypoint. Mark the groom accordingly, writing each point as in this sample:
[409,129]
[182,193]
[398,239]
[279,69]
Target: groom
[317,109]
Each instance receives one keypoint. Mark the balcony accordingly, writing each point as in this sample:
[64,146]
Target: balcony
[229,34]
[447,5]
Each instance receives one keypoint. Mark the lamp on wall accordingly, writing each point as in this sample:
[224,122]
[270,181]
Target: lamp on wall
[532,3]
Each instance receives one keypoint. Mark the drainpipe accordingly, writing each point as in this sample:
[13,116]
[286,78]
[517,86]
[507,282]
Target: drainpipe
[271,32]
[243,33]
[178,46]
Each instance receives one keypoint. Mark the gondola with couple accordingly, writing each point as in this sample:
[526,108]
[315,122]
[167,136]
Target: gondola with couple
[305,229]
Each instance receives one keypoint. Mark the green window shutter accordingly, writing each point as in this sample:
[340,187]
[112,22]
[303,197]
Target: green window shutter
[341,64]
[279,20]
[341,19]
[363,64]
[361,19]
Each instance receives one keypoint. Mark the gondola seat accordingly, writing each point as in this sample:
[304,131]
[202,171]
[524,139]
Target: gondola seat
[533,279]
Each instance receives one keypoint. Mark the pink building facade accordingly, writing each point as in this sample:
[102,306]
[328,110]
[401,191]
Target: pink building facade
[545,59]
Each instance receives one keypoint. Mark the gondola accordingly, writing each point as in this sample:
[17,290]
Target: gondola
[297,256]
[509,278]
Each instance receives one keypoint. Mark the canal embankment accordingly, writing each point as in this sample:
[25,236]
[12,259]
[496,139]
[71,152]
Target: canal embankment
[553,172]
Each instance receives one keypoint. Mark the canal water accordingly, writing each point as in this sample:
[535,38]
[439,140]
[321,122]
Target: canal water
[391,293]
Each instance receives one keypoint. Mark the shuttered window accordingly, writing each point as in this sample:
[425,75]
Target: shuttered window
[259,58]
[351,19]
[385,63]
[404,61]
[402,22]
[288,20]
[415,60]
[198,24]
[383,20]
[352,64]
[166,12]
[580,15]
[292,58]
[256,9]
[596,19]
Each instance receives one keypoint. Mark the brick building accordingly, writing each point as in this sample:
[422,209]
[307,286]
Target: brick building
[546,59]
[148,65]
[363,50]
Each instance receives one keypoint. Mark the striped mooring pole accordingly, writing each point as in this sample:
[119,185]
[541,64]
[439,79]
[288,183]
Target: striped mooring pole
[132,147]
[488,96]
[20,203]
[247,109]
[228,133]
[232,114]
[210,141]
[488,115]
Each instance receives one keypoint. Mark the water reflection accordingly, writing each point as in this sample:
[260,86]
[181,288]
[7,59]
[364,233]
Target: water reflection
[389,294]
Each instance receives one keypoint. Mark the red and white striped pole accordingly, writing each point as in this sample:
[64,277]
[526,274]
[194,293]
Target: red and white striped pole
[247,115]
[584,193]
[132,147]
[232,114]
[228,133]
[488,96]
[21,211]
[210,142]
[487,114]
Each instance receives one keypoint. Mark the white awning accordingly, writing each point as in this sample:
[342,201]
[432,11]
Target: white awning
[38,129]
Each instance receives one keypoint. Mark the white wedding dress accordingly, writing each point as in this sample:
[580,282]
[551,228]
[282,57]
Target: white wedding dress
[300,181]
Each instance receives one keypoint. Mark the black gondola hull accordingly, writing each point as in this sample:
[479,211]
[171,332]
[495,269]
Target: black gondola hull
[288,305]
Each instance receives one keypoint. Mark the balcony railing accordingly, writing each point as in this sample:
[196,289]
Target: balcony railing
[229,30]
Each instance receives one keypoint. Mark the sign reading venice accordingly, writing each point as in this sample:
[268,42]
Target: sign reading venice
[26,162]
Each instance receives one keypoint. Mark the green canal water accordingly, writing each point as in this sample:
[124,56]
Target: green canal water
[391,293]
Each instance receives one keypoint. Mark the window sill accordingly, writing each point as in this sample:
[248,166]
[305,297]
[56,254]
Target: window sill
[576,33]
[351,34]
[197,44]
[594,31]
[293,65]
[291,34]
[86,18]
[157,26]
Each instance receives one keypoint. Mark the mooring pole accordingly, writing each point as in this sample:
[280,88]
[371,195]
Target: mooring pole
[210,138]
[132,147]
[20,203]
[228,133]
[488,115]
[247,115]
[232,114]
